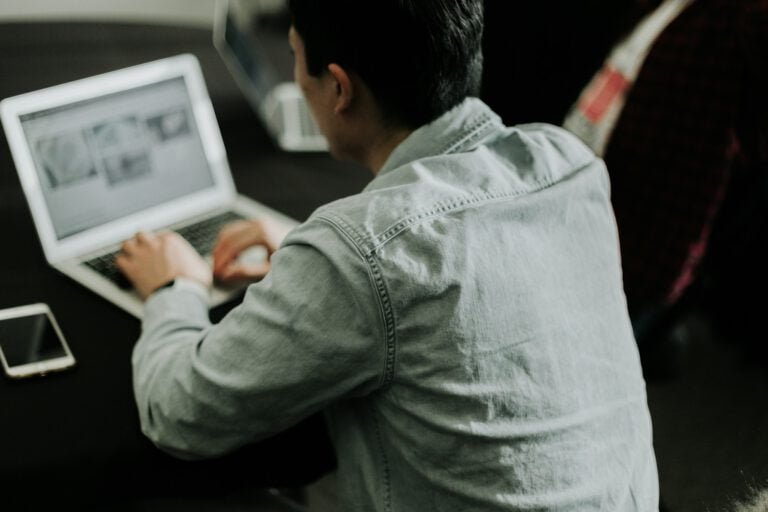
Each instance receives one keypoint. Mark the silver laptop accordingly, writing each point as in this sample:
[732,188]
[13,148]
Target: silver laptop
[243,41]
[104,157]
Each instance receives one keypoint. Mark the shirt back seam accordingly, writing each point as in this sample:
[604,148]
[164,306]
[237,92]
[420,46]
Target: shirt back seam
[457,203]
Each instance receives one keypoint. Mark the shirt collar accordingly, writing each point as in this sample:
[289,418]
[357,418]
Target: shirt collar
[456,130]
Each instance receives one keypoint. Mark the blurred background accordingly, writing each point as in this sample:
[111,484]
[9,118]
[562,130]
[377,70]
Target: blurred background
[173,12]
[695,291]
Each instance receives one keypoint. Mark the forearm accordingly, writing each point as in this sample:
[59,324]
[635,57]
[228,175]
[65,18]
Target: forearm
[174,323]
[303,337]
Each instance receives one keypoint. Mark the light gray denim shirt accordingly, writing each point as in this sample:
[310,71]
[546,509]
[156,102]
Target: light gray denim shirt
[461,322]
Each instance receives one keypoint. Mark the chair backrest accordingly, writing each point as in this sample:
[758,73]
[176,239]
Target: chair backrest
[672,151]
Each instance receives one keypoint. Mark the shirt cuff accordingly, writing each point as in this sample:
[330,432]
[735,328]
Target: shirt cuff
[184,298]
[196,287]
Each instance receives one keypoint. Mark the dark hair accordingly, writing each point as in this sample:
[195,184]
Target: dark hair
[419,58]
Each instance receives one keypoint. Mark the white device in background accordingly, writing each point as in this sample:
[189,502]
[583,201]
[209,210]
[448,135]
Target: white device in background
[31,342]
[279,103]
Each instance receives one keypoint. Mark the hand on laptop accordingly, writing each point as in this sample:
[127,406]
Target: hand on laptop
[239,236]
[150,260]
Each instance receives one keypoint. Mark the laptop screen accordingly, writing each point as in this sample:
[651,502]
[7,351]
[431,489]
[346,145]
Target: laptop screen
[249,58]
[246,51]
[110,156]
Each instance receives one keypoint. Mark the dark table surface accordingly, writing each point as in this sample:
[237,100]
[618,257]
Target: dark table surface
[77,432]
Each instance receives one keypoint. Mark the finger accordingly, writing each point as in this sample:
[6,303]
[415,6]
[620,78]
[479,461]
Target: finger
[240,272]
[244,273]
[120,261]
[228,234]
[222,258]
[142,237]
[222,243]
[129,246]
[179,241]
[123,263]
[169,235]
[233,227]
[236,243]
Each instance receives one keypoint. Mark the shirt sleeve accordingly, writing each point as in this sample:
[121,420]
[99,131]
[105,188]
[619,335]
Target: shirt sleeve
[309,334]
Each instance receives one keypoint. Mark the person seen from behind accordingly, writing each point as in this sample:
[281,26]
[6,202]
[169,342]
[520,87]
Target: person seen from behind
[460,322]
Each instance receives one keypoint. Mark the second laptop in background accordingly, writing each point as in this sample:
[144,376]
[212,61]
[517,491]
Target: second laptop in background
[243,34]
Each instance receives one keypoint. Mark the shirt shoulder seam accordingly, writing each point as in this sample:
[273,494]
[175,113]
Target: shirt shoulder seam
[379,287]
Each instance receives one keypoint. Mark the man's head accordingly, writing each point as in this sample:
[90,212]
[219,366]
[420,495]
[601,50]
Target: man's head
[418,58]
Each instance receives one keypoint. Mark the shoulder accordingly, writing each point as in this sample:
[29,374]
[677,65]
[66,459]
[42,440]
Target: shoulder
[550,149]
[513,162]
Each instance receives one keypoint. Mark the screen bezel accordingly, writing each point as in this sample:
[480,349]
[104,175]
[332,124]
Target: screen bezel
[225,11]
[38,367]
[221,193]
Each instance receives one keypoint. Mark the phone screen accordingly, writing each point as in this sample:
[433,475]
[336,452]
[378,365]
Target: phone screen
[29,339]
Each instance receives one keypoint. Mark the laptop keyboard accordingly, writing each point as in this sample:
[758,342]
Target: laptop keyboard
[201,235]
[105,265]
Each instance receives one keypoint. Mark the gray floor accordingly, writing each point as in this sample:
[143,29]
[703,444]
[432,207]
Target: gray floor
[711,423]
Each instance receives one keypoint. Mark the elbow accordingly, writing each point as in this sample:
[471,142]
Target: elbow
[168,435]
